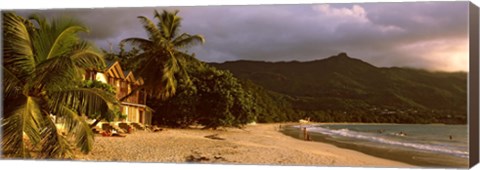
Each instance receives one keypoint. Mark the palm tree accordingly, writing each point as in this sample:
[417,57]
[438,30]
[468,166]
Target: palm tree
[162,58]
[42,74]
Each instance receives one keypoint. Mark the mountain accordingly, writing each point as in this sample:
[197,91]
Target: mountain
[362,92]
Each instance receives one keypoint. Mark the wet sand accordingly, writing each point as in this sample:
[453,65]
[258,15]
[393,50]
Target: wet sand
[414,158]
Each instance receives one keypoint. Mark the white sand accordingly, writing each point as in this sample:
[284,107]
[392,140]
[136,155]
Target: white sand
[256,144]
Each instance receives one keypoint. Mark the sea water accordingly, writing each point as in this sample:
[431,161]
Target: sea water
[429,145]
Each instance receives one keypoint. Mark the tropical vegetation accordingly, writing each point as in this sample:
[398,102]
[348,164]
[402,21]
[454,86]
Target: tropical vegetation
[214,98]
[161,58]
[43,64]
[184,90]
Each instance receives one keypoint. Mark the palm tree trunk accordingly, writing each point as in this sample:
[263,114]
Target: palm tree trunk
[130,94]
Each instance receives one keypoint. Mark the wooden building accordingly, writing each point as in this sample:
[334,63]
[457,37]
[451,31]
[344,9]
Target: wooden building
[124,82]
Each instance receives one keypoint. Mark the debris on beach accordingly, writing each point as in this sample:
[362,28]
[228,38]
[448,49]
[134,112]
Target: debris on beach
[198,157]
[193,158]
[156,129]
[215,137]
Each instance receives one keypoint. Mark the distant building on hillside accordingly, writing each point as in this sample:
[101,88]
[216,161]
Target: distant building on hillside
[124,82]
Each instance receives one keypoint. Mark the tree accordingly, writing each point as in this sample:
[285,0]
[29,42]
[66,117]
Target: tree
[43,67]
[124,56]
[269,106]
[161,58]
[223,101]
[110,90]
[215,98]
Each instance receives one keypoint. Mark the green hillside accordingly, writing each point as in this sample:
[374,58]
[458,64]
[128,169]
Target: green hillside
[340,88]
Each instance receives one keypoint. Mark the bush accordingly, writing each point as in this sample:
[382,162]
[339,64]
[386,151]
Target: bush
[215,98]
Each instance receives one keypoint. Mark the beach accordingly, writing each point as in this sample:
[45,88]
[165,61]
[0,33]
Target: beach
[260,144]
[424,145]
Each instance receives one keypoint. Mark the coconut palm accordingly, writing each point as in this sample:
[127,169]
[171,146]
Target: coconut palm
[162,58]
[42,73]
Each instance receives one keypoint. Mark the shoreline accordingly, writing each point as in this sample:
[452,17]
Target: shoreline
[409,157]
[363,123]
[259,144]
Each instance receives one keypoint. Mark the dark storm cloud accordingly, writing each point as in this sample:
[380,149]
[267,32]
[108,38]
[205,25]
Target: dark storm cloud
[106,25]
[386,34]
[420,34]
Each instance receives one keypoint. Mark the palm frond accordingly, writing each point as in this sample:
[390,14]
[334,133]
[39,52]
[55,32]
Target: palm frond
[54,144]
[76,127]
[21,129]
[143,44]
[40,20]
[169,24]
[186,40]
[55,73]
[152,30]
[56,39]
[85,57]
[84,137]
[58,72]
[12,85]
[182,63]
[88,101]
[17,50]
[168,77]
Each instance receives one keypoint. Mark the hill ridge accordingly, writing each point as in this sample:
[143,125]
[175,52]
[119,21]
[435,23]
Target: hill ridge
[341,83]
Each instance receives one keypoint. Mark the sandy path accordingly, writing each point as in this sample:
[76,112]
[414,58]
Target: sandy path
[256,144]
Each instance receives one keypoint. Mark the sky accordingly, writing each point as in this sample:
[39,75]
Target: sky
[426,35]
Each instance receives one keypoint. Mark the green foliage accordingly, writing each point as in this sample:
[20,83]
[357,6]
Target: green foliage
[341,88]
[214,98]
[114,111]
[124,56]
[223,101]
[160,60]
[270,106]
[43,67]
[100,85]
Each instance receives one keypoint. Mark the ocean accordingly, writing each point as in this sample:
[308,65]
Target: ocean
[429,145]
